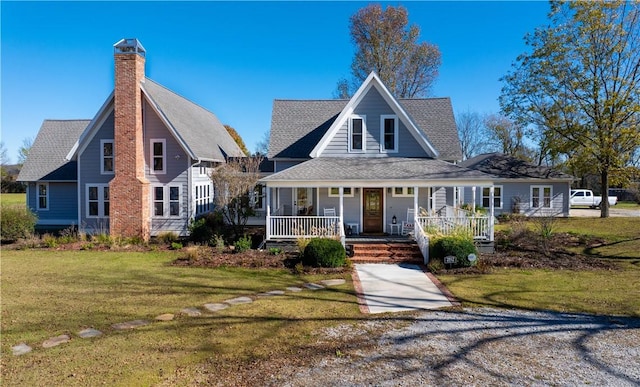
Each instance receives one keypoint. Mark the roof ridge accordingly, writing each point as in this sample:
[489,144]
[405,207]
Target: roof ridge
[67,119]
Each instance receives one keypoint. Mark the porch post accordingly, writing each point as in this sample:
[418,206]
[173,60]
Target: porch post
[491,212]
[428,201]
[268,225]
[341,225]
[473,200]
[415,204]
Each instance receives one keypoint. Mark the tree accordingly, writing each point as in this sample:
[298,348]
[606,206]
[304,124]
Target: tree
[386,44]
[507,137]
[581,82]
[236,137]
[262,147]
[23,152]
[234,183]
[473,134]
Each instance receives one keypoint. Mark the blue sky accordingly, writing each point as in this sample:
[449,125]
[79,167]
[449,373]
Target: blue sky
[234,58]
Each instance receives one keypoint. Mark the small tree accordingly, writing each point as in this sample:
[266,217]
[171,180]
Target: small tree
[234,183]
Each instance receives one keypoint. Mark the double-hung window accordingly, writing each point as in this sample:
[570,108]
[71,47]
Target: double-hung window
[388,133]
[43,196]
[97,200]
[357,134]
[497,197]
[403,191]
[166,201]
[203,199]
[541,196]
[106,157]
[158,156]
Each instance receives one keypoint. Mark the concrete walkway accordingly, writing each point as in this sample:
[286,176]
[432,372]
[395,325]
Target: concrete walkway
[397,288]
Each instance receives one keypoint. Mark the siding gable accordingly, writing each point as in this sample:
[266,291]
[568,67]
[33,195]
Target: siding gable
[373,97]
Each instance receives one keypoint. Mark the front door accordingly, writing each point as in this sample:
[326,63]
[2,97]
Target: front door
[302,202]
[372,210]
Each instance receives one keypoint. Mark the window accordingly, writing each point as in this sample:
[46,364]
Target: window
[204,201]
[388,133]
[497,197]
[106,155]
[258,196]
[43,196]
[403,191]
[158,156]
[541,196]
[357,130]
[97,200]
[166,201]
[334,192]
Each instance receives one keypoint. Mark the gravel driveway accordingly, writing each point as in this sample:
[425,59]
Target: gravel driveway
[478,347]
[595,212]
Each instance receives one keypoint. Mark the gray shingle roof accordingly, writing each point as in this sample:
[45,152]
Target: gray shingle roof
[46,159]
[200,129]
[509,167]
[349,169]
[298,125]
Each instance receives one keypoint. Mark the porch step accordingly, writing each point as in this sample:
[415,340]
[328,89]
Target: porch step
[386,253]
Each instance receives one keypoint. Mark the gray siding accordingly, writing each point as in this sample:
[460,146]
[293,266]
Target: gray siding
[177,172]
[282,165]
[521,191]
[373,106]
[89,166]
[63,204]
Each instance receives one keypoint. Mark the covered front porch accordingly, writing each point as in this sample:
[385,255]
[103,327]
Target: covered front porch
[350,197]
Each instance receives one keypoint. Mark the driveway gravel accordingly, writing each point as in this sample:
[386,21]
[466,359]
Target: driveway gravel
[477,347]
[595,212]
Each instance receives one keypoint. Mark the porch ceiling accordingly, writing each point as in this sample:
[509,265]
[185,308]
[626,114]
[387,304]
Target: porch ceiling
[378,172]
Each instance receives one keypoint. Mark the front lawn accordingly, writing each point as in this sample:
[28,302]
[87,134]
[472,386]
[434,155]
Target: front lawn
[10,199]
[49,293]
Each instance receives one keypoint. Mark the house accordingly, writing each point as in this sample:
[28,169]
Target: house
[520,187]
[139,167]
[374,163]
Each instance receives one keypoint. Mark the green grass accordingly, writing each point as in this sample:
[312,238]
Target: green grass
[615,292]
[48,293]
[628,205]
[13,199]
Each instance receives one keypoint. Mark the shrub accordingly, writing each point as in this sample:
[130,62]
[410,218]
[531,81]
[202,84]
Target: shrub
[16,222]
[168,237]
[275,251]
[242,244]
[322,252]
[199,231]
[50,240]
[435,265]
[69,235]
[176,246]
[218,242]
[459,246]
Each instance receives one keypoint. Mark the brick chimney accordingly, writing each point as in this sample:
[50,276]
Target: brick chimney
[129,189]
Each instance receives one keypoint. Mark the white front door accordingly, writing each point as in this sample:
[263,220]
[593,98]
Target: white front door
[302,201]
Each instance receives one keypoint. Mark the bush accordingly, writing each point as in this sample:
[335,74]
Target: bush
[16,222]
[457,245]
[242,244]
[176,246]
[203,229]
[321,252]
[168,237]
[218,242]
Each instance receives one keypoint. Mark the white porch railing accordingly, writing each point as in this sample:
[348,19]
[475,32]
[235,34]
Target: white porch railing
[422,239]
[293,227]
[479,226]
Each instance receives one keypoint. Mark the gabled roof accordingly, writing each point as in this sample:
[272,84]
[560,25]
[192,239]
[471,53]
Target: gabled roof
[46,161]
[298,126]
[385,171]
[199,132]
[509,167]
[373,81]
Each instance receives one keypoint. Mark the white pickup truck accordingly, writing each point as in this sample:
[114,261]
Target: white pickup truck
[584,197]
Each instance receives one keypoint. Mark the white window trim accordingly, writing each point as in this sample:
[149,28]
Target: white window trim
[166,202]
[344,193]
[254,198]
[100,200]
[488,196]
[164,156]
[46,196]
[405,192]
[204,199]
[383,117]
[541,198]
[113,154]
[364,133]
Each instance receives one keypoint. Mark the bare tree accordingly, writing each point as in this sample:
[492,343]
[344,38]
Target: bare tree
[473,134]
[508,137]
[234,182]
[386,44]
[23,152]
[262,147]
